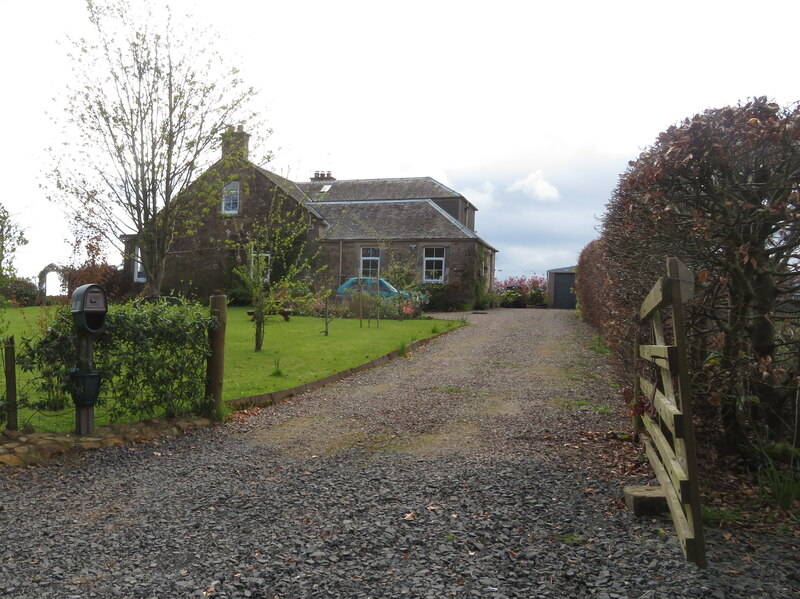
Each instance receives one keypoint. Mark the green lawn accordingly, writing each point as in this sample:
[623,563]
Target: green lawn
[298,347]
[304,353]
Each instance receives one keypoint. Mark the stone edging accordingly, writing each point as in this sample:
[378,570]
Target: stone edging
[18,448]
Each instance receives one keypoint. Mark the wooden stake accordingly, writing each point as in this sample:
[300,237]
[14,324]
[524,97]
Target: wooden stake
[12,423]
[216,361]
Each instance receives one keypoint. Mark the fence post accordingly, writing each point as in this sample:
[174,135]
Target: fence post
[216,361]
[12,423]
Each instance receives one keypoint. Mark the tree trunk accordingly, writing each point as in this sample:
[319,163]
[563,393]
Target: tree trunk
[259,331]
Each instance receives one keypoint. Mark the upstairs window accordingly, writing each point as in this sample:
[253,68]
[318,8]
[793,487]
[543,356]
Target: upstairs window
[230,198]
[433,266]
[139,275]
[370,262]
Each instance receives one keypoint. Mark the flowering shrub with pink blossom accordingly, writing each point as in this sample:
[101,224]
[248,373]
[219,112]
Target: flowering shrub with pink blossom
[523,290]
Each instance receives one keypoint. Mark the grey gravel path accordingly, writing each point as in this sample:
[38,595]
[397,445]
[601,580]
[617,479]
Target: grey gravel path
[478,466]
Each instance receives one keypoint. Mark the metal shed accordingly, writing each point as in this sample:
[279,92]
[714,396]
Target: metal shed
[561,288]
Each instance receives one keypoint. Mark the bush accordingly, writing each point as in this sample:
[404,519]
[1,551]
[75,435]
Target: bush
[152,359]
[513,298]
[440,297]
[518,292]
[240,296]
[21,292]
[360,304]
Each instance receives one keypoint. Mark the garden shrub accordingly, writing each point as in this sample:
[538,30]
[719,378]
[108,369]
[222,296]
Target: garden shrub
[440,297]
[152,359]
[239,295]
[360,304]
[21,292]
[518,292]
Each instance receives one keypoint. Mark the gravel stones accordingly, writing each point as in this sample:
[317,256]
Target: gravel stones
[234,511]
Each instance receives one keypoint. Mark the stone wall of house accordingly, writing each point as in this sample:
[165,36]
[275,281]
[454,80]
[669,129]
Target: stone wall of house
[205,257]
[343,260]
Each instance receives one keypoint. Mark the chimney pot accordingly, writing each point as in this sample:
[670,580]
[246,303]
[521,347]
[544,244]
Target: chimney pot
[235,143]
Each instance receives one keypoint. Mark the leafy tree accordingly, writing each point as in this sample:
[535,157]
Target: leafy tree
[11,237]
[144,115]
[278,265]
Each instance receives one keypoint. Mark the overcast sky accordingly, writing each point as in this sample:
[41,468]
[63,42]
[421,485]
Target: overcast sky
[530,109]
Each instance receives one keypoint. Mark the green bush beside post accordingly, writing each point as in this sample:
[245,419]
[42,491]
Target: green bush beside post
[152,357]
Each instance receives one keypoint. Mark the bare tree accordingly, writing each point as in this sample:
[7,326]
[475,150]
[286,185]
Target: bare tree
[145,112]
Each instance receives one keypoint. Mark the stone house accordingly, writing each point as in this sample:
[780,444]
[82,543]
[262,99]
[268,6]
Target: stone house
[366,227]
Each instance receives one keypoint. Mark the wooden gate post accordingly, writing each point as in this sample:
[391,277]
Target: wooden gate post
[216,360]
[666,407]
[12,423]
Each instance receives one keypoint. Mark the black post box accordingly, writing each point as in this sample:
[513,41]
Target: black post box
[89,308]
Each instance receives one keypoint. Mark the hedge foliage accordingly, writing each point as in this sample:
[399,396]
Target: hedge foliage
[152,358]
[720,191]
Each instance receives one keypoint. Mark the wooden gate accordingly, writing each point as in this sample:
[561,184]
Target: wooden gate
[667,408]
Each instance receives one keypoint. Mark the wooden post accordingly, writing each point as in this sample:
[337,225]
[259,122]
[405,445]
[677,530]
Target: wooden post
[327,316]
[12,423]
[84,414]
[637,391]
[216,361]
[682,282]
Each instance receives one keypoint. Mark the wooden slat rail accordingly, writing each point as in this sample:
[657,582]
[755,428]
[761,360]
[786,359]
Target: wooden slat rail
[669,433]
[665,356]
[669,413]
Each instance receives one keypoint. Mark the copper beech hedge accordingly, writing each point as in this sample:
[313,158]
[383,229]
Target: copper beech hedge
[721,191]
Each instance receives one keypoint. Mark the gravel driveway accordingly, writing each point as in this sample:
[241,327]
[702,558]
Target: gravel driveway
[485,464]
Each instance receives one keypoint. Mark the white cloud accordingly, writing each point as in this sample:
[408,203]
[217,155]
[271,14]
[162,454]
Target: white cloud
[537,187]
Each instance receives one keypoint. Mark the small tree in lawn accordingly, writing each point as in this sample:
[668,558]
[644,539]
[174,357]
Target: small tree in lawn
[144,115]
[277,265]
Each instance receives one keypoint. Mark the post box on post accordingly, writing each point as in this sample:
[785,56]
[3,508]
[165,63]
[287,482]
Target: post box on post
[89,309]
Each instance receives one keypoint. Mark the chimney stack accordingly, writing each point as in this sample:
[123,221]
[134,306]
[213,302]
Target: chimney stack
[235,143]
[322,176]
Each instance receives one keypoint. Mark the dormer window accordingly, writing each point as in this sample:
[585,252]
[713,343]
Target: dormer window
[230,198]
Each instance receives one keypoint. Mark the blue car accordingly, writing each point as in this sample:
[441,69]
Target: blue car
[372,285]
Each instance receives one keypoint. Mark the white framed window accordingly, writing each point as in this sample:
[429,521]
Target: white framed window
[262,262]
[139,275]
[370,262]
[230,198]
[433,265]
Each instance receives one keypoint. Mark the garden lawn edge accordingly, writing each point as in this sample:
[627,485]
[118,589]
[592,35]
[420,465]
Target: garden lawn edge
[262,400]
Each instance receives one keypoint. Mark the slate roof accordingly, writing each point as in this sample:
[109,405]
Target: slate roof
[391,220]
[361,190]
[290,188]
